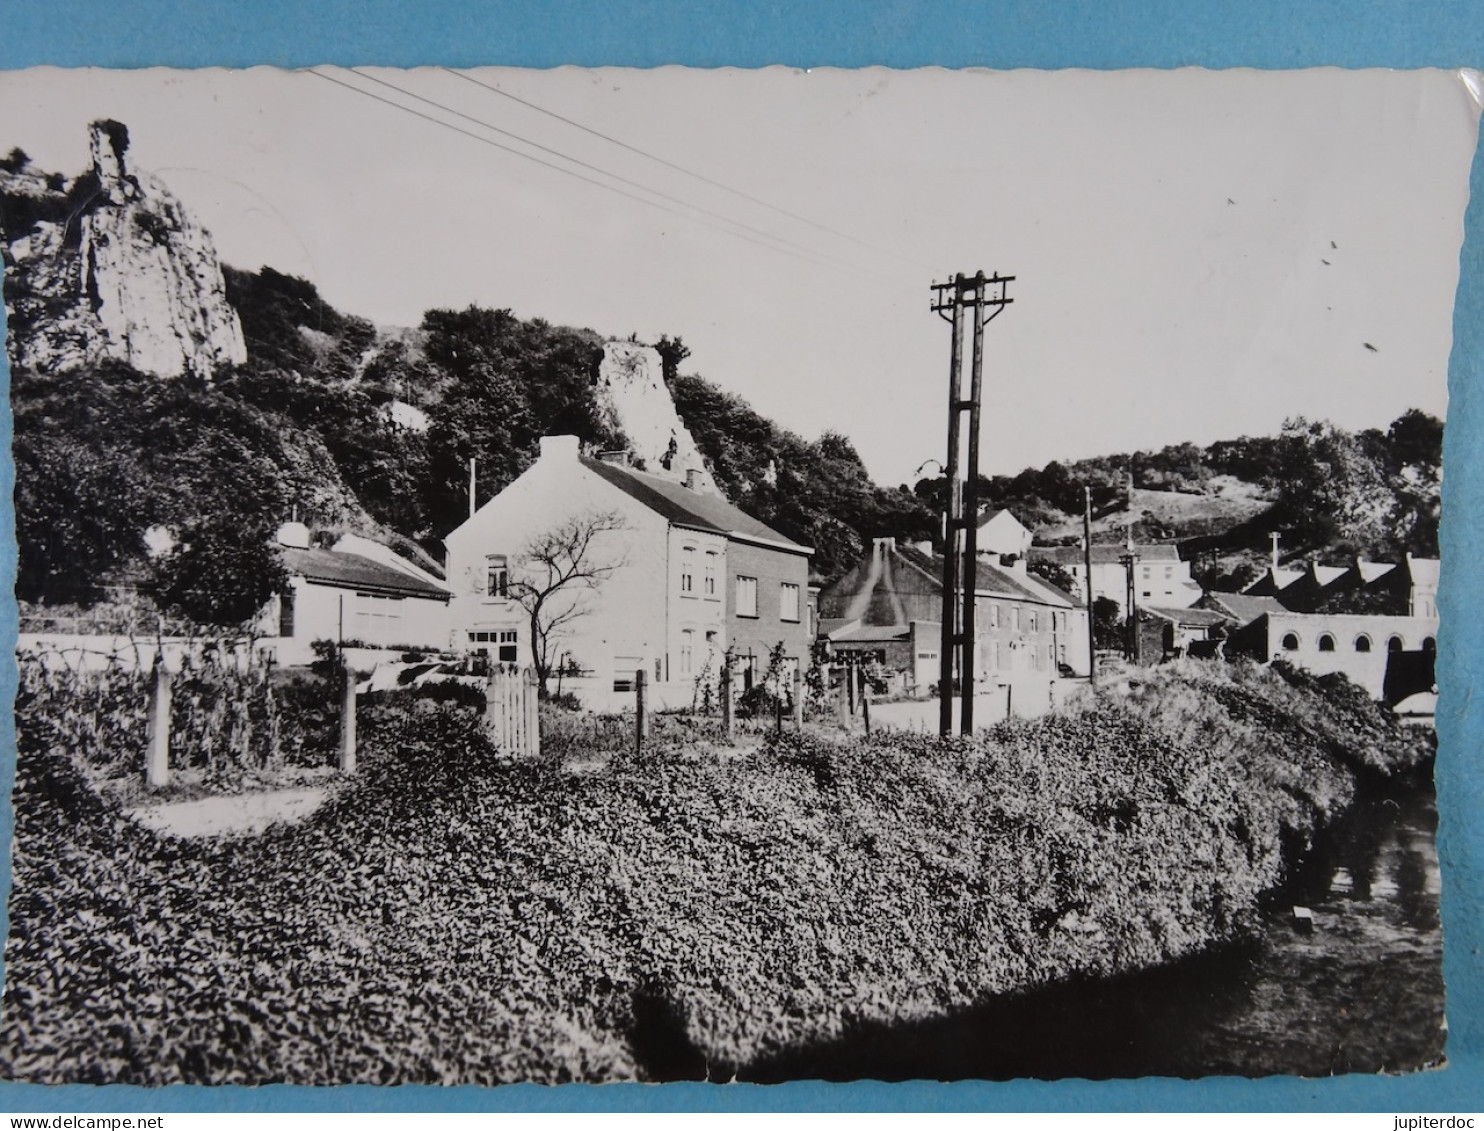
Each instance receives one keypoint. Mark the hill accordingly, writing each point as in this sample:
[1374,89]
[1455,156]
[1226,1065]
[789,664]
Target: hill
[157,392]
[1329,493]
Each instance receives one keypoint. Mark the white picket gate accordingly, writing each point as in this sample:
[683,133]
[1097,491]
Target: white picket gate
[511,713]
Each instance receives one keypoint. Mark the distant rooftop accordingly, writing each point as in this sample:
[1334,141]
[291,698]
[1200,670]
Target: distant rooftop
[1107,553]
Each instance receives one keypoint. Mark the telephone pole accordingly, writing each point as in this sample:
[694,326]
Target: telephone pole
[1130,559]
[981,299]
[1092,643]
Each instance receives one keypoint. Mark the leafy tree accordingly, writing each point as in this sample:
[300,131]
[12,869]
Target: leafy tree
[1053,572]
[1108,629]
[220,574]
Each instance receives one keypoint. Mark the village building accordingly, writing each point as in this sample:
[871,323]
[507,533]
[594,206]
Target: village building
[888,608]
[358,591]
[1160,576]
[1002,535]
[1391,657]
[1166,634]
[688,577]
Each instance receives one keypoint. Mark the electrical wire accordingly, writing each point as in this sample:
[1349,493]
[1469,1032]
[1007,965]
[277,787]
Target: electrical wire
[808,258]
[605,172]
[681,168]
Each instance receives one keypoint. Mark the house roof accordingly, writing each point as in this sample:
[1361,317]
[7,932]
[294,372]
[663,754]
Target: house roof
[351,571]
[989,516]
[1106,553]
[684,507]
[1424,571]
[1244,606]
[991,579]
[1201,618]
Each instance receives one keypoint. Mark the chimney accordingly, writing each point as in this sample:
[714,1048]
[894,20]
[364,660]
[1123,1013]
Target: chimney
[692,479]
[559,447]
[619,457]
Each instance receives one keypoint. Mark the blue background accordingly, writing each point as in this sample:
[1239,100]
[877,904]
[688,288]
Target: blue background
[906,33]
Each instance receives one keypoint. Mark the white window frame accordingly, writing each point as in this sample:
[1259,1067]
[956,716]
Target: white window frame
[746,596]
[784,590]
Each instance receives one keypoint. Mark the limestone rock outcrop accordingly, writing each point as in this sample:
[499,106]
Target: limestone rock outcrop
[110,266]
[632,394]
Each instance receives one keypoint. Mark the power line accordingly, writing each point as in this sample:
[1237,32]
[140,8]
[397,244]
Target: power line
[569,172]
[605,172]
[681,168]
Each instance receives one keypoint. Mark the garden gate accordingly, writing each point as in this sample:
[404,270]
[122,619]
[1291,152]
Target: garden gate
[511,714]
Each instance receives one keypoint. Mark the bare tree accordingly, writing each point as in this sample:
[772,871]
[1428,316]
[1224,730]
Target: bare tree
[556,571]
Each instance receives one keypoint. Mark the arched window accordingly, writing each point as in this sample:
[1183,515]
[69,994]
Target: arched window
[1394,644]
[1429,645]
[1362,643]
[1326,642]
[1290,642]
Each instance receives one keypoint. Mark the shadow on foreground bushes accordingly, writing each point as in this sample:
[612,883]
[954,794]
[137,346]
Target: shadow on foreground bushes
[454,916]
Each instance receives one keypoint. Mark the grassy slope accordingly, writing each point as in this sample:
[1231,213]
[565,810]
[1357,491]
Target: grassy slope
[454,917]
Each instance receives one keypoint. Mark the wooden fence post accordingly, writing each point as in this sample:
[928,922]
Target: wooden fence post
[640,706]
[842,714]
[347,718]
[157,749]
[726,699]
[866,704]
[798,699]
[533,713]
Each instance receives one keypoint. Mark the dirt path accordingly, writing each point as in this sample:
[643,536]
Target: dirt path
[242,813]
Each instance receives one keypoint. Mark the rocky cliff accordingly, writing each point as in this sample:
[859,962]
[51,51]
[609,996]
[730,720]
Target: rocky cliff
[110,266]
[632,396]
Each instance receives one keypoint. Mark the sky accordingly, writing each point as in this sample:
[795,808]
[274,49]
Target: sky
[1197,254]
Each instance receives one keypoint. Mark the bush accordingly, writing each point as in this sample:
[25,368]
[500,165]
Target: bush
[456,916]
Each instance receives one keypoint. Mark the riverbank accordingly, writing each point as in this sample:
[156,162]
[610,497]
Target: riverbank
[452,916]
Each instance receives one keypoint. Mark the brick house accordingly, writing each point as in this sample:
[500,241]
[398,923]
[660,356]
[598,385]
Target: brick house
[1025,628]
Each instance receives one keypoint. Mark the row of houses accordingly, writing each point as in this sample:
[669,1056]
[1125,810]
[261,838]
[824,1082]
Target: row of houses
[684,577]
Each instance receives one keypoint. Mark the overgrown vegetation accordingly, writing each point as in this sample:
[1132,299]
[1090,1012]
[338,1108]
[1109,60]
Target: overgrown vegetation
[453,916]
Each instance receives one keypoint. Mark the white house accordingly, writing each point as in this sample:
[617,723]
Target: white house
[1002,534]
[1161,578]
[690,576]
[358,591]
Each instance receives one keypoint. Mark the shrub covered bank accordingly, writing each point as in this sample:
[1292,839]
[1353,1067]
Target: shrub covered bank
[455,917]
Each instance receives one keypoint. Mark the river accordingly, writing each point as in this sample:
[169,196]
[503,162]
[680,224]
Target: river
[1362,992]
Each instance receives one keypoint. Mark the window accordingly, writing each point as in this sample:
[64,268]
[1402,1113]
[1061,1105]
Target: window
[711,557]
[509,649]
[286,613]
[687,650]
[688,571]
[1290,642]
[994,617]
[1362,643]
[746,596]
[1394,644]
[1031,618]
[497,576]
[1015,618]
[1429,644]
[1326,642]
[788,602]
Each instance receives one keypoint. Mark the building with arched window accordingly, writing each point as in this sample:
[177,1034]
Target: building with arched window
[1390,656]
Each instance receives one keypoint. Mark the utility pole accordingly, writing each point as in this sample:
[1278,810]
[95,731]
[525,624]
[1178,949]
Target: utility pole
[1092,648]
[1130,559]
[472,462]
[1274,537]
[983,298]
